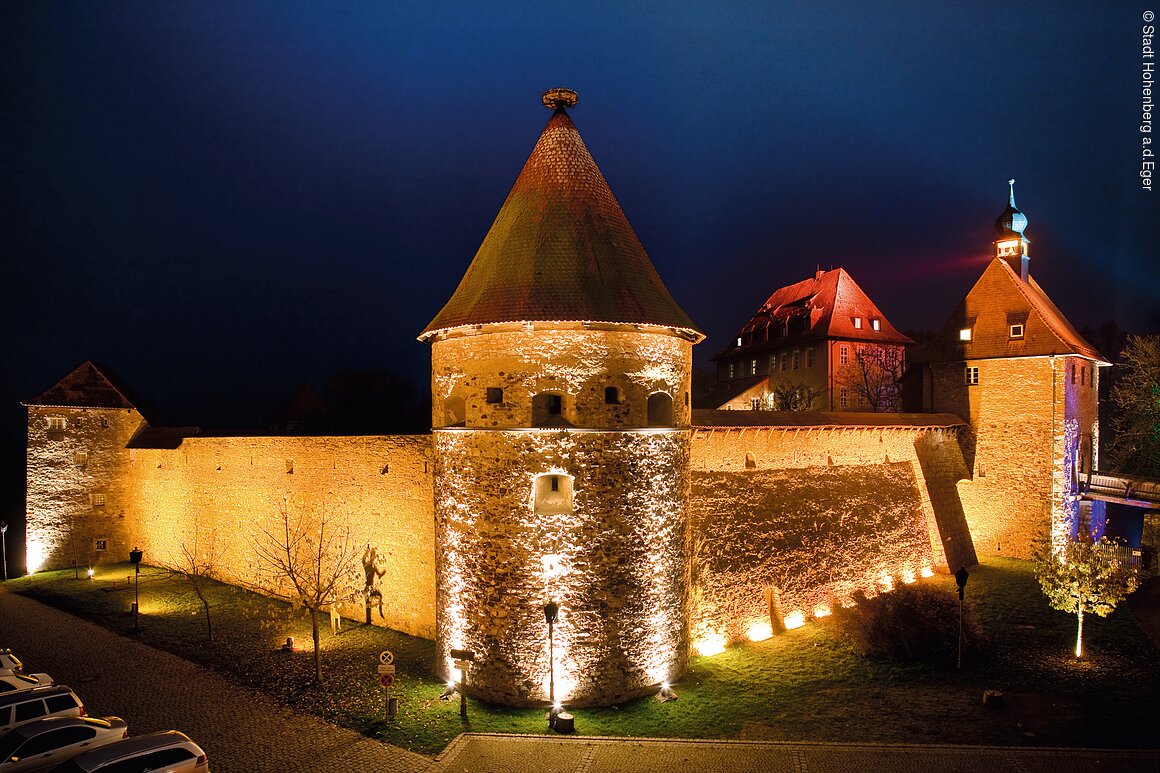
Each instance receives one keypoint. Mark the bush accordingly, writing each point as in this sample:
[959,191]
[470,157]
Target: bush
[913,623]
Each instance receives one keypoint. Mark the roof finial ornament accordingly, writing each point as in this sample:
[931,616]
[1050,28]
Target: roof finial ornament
[1011,199]
[560,99]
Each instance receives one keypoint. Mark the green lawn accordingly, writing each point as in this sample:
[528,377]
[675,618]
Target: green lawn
[806,684]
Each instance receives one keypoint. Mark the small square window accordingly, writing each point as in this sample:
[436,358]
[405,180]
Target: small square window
[875,324]
[81,458]
[965,334]
[971,377]
[494,395]
[611,395]
[1016,331]
[100,545]
[857,323]
[98,500]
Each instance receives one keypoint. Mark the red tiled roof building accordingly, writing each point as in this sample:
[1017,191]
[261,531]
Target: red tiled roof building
[823,334]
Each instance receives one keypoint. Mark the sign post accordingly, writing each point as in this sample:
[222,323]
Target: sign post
[386,669]
[463,660]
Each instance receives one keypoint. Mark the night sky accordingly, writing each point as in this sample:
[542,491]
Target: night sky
[222,200]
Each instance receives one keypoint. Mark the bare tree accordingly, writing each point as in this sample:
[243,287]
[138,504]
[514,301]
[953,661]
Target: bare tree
[197,563]
[307,558]
[793,396]
[873,378]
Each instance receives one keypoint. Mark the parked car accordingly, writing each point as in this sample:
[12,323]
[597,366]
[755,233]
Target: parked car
[13,680]
[166,752]
[24,706]
[8,660]
[55,739]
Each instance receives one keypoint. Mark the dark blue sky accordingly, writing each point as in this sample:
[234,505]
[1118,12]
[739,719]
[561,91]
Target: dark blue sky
[222,199]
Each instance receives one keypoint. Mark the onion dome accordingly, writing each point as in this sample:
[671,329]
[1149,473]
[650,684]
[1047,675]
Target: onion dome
[1012,221]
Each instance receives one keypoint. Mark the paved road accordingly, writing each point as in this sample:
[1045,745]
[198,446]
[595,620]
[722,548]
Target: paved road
[240,729]
[244,731]
[475,752]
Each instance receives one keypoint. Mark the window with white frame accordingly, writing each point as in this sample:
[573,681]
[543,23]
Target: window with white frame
[971,376]
[56,423]
[1016,331]
[755,403]
[965,334]
[844,355]
[875,324]
[753,367]
[81,458]
[843,399]
[857,323]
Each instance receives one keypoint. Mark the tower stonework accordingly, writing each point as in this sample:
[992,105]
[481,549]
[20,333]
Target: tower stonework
[561,371]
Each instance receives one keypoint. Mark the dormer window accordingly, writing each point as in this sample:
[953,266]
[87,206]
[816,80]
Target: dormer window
[1016,331]
[857,323]
[875,324]
[965,334]
[739,340]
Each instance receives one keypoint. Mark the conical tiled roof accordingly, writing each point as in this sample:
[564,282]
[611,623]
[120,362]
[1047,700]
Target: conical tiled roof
[561,249]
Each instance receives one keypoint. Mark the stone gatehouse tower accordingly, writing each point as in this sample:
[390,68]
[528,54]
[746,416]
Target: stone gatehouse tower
[560,383]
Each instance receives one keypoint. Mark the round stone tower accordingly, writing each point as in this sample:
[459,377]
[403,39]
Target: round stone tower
[560,411]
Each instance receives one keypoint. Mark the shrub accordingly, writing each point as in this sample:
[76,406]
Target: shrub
[912,623]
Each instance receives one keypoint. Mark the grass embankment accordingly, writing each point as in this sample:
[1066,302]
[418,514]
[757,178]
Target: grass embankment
[806,684]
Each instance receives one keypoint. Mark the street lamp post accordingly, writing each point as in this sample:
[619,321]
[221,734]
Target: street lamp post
[4,548]
[961,580]
[551,610]
[135,560]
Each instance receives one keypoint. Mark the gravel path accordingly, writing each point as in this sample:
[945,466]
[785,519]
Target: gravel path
[239,728]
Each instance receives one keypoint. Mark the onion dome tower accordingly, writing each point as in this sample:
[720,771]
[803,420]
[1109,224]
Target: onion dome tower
[561,370]
[1012,246]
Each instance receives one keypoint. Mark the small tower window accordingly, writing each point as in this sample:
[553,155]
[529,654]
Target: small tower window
[553,494]
[965,334]
[494,395]
[660,410]
[971,376]
[547,409]
[611,395]
[1016,331]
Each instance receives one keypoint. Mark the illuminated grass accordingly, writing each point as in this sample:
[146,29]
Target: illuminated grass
[806,684]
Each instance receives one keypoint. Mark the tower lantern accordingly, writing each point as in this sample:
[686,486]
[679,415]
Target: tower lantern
[1012,245]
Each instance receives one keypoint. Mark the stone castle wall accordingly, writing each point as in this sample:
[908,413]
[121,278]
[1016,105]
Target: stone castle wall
[226,489]
[788,521]
[78,504]
[1028,421]
[614,559]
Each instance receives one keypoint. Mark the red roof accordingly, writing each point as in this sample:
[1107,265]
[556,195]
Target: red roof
[998,300]
[561,249]
[824,306]
[88,386]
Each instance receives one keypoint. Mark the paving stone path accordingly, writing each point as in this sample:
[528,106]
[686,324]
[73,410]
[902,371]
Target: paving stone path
[240,729]
[474,752]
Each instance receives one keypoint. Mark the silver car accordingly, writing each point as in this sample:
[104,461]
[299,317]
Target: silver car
[55,739]
[167,752]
